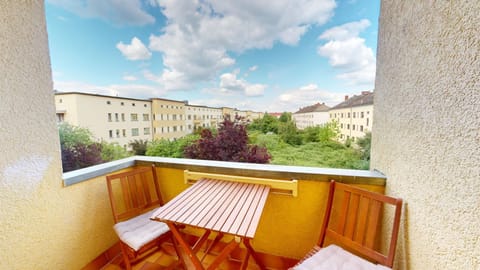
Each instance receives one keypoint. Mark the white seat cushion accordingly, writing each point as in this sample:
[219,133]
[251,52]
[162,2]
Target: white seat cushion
[335,258]
[140,230]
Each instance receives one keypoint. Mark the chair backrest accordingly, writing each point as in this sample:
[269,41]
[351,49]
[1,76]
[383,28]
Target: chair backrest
[353,220]
[133,193]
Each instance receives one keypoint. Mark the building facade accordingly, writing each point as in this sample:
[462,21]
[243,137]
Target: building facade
[198,117]
[168,119]
[110,119]
[354,116]
[311,116]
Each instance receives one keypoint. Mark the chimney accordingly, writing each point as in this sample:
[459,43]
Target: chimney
[346,97]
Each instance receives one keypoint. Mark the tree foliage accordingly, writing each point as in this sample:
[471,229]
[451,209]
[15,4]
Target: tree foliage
[79,149]
[139,147]
[229,144]
[266,124]
[365,145]
[166,148]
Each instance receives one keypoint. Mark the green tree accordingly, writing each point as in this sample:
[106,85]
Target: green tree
[328,132]
[266,124]
[112,151]
[166,148]
[289,133]
[285,117]
[139,147]
[72,135]
[365,144]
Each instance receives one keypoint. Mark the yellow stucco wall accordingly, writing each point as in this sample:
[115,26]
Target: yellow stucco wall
[426,137]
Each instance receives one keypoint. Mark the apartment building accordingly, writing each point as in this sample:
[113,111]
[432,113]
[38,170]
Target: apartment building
[111,119]
[168,119]
[310,116]
[202,117]
[354,116]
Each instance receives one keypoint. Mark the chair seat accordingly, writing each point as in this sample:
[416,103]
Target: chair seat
[140,230]
[336,258]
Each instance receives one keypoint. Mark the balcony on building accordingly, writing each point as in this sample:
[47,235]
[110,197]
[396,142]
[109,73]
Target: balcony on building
[288,229]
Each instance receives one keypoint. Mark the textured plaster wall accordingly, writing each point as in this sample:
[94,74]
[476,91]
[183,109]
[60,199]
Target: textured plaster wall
[427,122]
[42,224]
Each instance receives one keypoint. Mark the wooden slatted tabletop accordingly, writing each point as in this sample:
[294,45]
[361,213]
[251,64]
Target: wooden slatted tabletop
[222,206]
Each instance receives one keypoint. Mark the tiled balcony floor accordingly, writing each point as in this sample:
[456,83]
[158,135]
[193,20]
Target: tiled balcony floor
[164,259]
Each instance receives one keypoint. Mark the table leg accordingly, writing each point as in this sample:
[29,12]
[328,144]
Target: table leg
[252,252]
[190,260]
[223,255]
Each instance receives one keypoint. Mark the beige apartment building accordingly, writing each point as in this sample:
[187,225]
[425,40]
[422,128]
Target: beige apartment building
[311,116]
[111,119]
[168,119]
[202,117]
[354,116]
[122,120]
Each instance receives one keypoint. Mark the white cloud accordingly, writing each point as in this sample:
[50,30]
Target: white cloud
[123,90]
[199,35]
[253,68]
[306,95]
[348,53]
[129,78]
[229,82]
[118,12]
[135,50]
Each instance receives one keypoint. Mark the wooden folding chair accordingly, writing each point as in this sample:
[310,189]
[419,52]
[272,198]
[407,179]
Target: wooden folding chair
[134,195]
[353,227]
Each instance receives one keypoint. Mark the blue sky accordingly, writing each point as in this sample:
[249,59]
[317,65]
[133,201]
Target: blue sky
[261,55]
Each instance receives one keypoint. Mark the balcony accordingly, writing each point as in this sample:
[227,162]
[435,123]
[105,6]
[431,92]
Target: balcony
[288,228]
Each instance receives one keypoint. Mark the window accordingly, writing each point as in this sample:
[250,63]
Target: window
[134,131]
[133,117]
[341,125]
[108,102]
[342,115]
[145,105]
[116,117]
[146,131]
[124,132]
[189,127]
[117,132]
[348,126]
[123,117]
[60,117]
[174,117]
[110,133]
[361,128]
[133,104]
[60,101]
[354,114]
[361,114]
[174,128]
[353,127]
[146,117]
[348,115]
[121,103]
[154,130]
[189,117]
[367,121]
[153,117]
[109,117]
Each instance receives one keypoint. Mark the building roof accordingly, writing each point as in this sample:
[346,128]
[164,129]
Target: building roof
[314,108]
[366,98]
[58,93]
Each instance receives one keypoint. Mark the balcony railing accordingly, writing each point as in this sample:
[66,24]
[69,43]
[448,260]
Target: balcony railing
[289,225]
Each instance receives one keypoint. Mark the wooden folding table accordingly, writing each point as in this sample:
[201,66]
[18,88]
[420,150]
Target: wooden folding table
[224,207]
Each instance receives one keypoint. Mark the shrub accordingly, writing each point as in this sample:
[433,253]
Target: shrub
[229,144]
